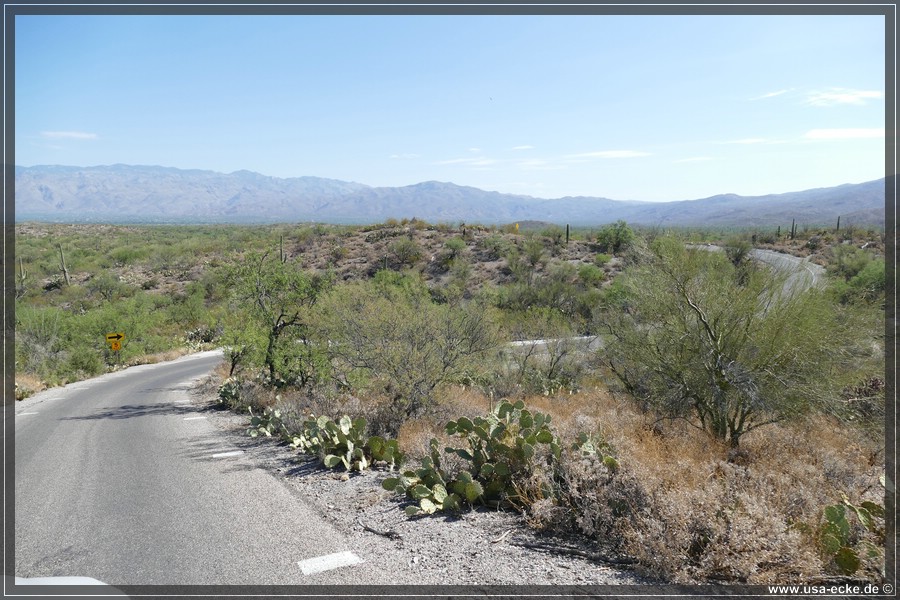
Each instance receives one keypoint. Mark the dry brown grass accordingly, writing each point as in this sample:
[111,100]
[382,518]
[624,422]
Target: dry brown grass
[158,357]
[27,384]
[691,509]
[415,436]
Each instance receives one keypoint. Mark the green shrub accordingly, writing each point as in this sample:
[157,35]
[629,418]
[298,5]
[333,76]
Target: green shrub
[590,275]
[555,234]
[495,246]
[339,253]
[601,259]
[455,247]
[615,238]
[869,283]
[396,334]
[406,252]
[86,363]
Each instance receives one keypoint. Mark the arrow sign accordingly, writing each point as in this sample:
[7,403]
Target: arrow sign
[114,337]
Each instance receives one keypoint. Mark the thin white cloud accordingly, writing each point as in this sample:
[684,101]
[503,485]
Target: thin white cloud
[408,155]
[609,154]
[72,135]
[770,95]
[475,150]
[844,134]
[526,147]
[838,96]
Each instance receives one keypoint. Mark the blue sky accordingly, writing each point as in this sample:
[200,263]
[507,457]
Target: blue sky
[626,107]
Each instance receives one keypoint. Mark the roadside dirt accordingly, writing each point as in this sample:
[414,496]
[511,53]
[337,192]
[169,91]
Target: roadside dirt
[477,547]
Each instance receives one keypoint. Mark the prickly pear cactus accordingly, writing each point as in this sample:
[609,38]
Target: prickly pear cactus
[343,443]
[268,424]
[500,447]
[838,543]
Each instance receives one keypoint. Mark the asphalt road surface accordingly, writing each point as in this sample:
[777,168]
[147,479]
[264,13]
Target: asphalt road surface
[121,479]
[800,273]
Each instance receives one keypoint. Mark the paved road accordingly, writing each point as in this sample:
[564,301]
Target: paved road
[801,273]
[121,479]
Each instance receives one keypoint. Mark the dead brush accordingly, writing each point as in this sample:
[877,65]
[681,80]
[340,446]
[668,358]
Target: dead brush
[26,385]
[414,436]
[692,510]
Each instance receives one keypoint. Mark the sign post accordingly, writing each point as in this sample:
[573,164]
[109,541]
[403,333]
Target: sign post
[115,343]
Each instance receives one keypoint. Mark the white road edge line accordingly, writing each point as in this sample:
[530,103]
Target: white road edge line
[25,413]
[311,566]
[224,454]
[193,418]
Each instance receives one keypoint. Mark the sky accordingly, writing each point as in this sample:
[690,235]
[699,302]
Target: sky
[641,107]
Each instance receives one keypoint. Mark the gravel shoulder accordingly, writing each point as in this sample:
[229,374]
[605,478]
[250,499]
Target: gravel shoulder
[478,547]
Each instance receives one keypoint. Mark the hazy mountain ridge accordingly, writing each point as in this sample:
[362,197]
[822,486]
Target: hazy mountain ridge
[159,194]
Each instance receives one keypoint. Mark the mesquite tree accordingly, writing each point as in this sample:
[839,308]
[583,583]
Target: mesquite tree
[695,337]
[272,299]
[391,329]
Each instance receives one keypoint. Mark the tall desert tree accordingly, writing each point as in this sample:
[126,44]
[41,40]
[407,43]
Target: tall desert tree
[396,333]
[695,337]
[271,299]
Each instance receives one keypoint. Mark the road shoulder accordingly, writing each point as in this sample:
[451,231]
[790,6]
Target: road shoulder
[478,547]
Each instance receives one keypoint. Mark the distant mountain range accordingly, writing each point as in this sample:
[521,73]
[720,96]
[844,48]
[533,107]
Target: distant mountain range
[126,193]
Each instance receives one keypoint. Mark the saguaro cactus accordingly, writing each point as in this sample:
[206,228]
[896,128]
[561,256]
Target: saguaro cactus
[62,264]
[23,275]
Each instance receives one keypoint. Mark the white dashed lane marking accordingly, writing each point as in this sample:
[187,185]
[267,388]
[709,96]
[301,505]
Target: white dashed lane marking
[225,454]
[25,413]
[311,566]
[193,418]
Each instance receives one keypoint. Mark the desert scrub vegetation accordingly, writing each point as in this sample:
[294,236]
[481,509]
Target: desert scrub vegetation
[694,419]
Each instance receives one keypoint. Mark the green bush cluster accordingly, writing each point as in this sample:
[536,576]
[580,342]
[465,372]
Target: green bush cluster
[615,238]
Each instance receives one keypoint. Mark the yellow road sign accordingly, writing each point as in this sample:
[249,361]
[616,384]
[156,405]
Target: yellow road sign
[114,337]
[115,345]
